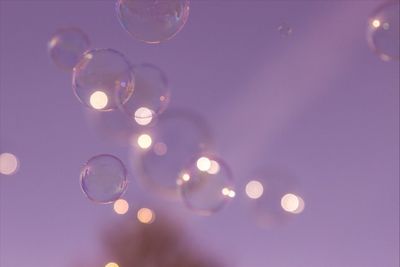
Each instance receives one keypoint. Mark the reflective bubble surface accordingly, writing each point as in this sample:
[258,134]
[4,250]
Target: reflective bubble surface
[103,178]
[152,21]
[66,46]
[102,78]
[206,185]
[383,31]
[161,151]
[150,97]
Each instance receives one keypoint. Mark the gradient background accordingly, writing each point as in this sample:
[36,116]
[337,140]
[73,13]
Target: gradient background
[318,103]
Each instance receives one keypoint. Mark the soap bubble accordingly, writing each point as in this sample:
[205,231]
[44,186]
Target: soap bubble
[103,178]
[383,32]
[102,78]
[66,46]
[206,185]
[274,198]
[161,151]
[285,30]
[151,95]
[152,21]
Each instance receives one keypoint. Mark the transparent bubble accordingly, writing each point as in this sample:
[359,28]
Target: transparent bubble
[66,46]
[383,32]
[102,78]
[206,185]
[152,21]
[104,178]
[274,197]
[161,151]
[151,95]
[285,30]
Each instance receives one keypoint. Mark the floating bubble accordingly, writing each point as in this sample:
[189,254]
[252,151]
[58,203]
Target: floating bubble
[203,189]
[152,21]
[66,46]
[103,78]
[383,32]
[150,97]
[162,150]
[8,164]
[285,30]
[273,197]
[103,178]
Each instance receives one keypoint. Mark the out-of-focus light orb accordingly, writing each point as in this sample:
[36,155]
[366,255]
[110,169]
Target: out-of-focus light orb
[285,30]
[151,95]
[104,178]
[146,216]
[66,46]
[144,141]
[383,31]
[203,192]
[214,167]
[177,137]
[290,203]
[143,116]
[98,100]
[106,71]
[203,164]
[152,21]
[111,264]
[121,206]
[8,164]
[254,189]
[301,206]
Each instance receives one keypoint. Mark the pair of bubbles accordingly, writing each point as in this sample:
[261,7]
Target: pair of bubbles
[105,80]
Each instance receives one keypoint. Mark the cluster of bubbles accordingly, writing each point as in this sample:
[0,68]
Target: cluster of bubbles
[171,147]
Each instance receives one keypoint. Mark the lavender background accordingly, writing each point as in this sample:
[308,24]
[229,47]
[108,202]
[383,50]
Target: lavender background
[317,102]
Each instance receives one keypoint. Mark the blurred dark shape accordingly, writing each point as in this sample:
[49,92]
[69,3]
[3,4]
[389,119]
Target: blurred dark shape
[160,244]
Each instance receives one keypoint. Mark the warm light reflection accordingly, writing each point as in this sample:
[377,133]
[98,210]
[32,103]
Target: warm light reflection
[160,149]
[301,206]
[214,167]
[98,100]
[53,42]
[225,191]
[8,164]
[112,264]
[121,206]
[143,116]
[290,203]
[203,164]
[186,177]
[376,23]
[254,189]
[144,141]
[145,215]
[231,194]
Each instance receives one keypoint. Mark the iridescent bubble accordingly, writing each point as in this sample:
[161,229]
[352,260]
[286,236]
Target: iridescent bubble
[285,30]
[66,46]
[103,178]
[102,78]
[274,197]
[150,97]
[206,185]
[162,150]
[152,21]
[383,32]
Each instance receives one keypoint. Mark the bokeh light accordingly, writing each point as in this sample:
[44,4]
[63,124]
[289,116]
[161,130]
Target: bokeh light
[103,78]
[151,95]
[9,164]
[146,215]
[383,31]
[66,46]
[121,206]
[103,178]
[152,21]
[111,264]
[144,141]
[254,189]
[204,192]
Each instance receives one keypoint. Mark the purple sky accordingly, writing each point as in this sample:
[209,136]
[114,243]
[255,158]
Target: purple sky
[318,103]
